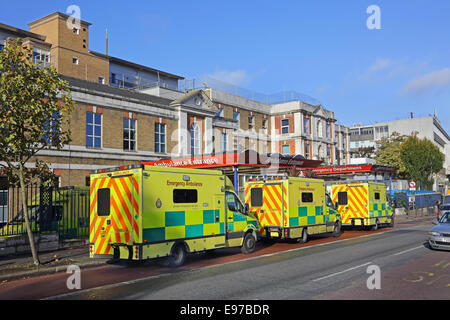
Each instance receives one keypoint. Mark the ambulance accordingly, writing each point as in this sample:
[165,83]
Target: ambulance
[291,208]
[363,204]
[143,212]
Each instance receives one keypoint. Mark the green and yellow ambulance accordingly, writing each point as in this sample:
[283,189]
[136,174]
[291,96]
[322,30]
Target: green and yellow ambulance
[143,212]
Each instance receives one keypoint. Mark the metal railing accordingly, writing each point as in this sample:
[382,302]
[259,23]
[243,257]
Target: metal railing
[50,210]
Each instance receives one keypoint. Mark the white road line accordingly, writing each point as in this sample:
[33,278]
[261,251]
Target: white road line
[346,270]
[402,252]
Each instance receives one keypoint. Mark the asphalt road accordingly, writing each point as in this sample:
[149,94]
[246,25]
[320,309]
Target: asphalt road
[330,270]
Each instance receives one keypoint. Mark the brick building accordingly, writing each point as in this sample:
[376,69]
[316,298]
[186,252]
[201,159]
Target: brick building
[126,113]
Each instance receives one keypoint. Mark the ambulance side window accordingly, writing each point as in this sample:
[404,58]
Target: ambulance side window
[342,198]
[307,197]
[233,203]
[103,202]
[256,197]
[185,196]
[377,196]
[329,202]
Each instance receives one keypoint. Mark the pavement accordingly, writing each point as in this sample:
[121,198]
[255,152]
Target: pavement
[22,267]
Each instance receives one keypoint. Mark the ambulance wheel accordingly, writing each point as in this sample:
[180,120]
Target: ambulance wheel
[178,256]
[375,226]
[304,238]
[337,229]
[249,243]
[392,223]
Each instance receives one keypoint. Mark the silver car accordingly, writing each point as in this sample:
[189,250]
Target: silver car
[439,236]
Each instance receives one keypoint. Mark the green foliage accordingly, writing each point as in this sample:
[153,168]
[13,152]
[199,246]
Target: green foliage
[35,104]
[388,153]
[421,159]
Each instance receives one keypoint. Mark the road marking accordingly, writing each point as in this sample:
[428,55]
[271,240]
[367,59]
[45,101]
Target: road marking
[402,252]
[346,270]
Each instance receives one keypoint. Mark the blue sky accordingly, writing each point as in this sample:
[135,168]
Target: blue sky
[320,48]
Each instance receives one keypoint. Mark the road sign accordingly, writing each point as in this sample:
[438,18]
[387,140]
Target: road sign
[412,185]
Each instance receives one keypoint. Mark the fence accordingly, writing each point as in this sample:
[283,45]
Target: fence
[51,210]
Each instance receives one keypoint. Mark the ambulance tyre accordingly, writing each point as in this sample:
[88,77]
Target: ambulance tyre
[392,223]
[304,238]
[249,243]
[375,226]
[337,229]
[178,255]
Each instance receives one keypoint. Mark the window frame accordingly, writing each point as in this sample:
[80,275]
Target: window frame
[130,130]
[284,126]
[160,135]
[195,139]
[94,125]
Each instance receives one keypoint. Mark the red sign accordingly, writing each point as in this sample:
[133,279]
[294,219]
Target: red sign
[366,168]
[412,184]
[235,159]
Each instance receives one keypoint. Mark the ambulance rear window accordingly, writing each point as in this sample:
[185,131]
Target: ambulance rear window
[342,198]
[185,196]
[103,202]
[377,196]
[256,196]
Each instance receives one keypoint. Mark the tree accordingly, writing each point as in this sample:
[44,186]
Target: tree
[35,104]
[421,159]
[388,152]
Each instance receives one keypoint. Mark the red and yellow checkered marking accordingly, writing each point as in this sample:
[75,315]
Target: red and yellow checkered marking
[274,205]
[357,206]
[124,219]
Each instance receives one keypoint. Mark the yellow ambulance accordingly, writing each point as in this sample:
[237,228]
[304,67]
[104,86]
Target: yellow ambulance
[363,204]
[292,208]
[143,212]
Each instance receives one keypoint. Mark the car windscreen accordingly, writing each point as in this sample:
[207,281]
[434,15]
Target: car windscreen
[445,218]
[445,207]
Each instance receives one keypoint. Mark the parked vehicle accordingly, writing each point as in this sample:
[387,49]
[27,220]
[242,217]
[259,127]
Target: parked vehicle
[439,236]
[62,210]
[146,212]
[292,208]
[363,204]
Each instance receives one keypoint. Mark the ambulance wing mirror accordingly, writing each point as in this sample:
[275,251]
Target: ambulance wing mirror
[336,206]
[246,208]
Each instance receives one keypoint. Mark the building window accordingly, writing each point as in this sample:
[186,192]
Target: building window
[160,137]
[223,142]
[306,124]
[51,128]
[236,144]
[101,80]
[328,128]
[195,140]
[251,122]
[265,124]
[75,61]
[220,113]
[93,130]
[129,134]
[285,126]
[307,154]
[76,31]
[236,117]
[285,149]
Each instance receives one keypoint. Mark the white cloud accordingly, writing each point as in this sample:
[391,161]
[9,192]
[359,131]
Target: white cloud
[433,82]
[380,65]
[237,77]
